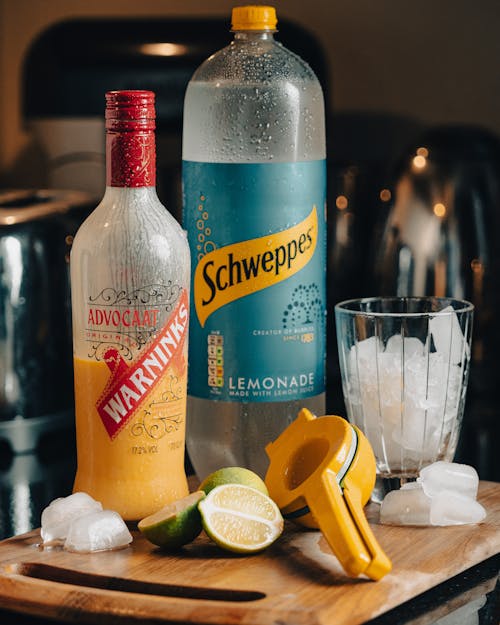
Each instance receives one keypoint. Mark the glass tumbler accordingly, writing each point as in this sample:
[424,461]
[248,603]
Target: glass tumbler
[404,363]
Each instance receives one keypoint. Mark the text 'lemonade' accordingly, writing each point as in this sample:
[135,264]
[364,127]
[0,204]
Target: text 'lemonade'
[130,267]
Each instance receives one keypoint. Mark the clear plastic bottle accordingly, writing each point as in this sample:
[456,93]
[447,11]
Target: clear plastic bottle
[254,195]
[130,273]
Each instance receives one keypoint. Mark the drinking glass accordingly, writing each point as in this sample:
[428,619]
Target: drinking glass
[404,364]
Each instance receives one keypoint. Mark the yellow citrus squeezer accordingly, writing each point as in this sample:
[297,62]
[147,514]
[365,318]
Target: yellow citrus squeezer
[321,473]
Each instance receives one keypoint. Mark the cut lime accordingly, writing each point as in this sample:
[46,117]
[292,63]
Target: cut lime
[233,475]
[177,524]
[240,518]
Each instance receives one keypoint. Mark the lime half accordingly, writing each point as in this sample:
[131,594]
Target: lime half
[177,524]
[240,518]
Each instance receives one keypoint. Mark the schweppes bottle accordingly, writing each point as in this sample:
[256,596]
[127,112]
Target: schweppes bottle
[254,189]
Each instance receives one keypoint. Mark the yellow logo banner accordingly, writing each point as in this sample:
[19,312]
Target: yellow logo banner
[228,273]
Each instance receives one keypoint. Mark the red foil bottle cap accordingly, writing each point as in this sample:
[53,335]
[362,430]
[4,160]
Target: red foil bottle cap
[130,139]
[130,110]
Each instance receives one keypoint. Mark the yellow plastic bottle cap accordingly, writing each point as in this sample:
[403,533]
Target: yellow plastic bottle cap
[254,17]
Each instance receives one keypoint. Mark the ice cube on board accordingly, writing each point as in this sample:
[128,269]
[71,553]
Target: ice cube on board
[98,531]
[454,508]
[453,476]
[58,515]
[407,506]
[444,494]
[410,486]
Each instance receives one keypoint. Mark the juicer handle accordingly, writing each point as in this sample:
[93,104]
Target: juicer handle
[380,564]
[327,505]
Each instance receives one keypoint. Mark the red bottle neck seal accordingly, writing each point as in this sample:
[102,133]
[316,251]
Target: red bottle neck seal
[130,139]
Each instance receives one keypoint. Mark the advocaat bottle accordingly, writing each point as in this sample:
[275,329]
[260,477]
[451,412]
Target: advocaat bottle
[130,274]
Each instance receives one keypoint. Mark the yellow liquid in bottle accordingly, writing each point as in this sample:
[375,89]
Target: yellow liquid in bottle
[141,468]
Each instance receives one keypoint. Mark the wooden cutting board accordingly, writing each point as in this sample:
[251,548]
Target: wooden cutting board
[296,581]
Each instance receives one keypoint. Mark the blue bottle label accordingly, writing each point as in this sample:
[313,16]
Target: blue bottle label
[257,235]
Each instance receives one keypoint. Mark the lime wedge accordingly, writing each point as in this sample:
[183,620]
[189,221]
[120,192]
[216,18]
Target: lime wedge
[240,518]
[177,524]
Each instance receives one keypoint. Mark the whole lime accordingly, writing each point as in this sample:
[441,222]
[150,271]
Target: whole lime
[233,475]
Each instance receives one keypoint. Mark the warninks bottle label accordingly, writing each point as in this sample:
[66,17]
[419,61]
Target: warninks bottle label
[130,385]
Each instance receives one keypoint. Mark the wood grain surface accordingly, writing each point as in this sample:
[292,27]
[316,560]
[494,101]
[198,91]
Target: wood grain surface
[296,581]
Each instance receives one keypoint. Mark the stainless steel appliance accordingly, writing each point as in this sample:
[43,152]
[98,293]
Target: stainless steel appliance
[36,387]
